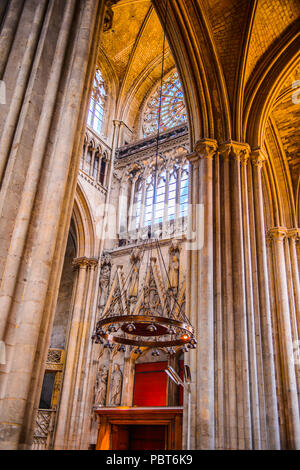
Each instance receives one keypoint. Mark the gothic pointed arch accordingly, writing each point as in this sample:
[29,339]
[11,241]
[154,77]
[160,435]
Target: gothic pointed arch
[197,62]
[84,224]
[266,83]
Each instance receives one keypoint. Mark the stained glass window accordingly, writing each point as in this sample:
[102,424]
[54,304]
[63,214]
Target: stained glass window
[173,112]
[96,107]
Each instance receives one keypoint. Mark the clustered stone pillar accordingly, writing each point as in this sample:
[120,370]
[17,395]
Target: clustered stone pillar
[48,56]
[294,237]
[278,235]
[244,435]
[200,294]
[272,428]
[69,414]
[229,305]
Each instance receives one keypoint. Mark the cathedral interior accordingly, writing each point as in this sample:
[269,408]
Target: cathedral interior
[149,169]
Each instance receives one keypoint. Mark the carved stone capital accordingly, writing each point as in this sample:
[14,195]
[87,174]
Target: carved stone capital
[193,158]
[293,233]
[206,148]
[278,233]
[84,263]
[238,151]
[258,157]
[224,151]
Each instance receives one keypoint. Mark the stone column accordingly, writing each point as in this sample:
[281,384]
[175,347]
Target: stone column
[86,146]
[77,403]
[272,429]
[238,150]
[293,237]
[278,235]
[132,208]
[41,133]
[230,407]
[91,170]
[253,375]
[201,298]
[219,332]
[72,371]
[123,207]
[293,292]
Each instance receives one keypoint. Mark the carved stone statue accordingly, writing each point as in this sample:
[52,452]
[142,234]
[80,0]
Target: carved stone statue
[116,386]
[134,282]
[174,272]
[104,278]
[101,385]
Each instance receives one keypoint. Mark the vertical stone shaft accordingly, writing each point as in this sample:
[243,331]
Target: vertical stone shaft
[8,30]
[255,415]
[230,418]
[278,235]
[239,300]
[79,365]
[73,346]
[292,305]
[192,297]
[256,312]
[219,333]
[273,437]
[294,236]
[203,309]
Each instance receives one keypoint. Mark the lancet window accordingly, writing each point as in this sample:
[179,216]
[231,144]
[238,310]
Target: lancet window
[96,106]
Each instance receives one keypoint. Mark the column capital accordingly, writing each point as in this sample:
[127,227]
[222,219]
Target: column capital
[84,263]
[278,233]
[205,148]
[258,157]
[238,151]
[293,233]
[117,122]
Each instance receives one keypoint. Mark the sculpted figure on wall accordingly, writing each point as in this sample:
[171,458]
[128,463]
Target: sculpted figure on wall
[116,386]
[101,385]
[174,266]
[104,278]
[174,273]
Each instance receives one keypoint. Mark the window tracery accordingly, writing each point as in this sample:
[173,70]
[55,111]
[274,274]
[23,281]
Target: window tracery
[173,111]
[171,197]
[94,161]
[96,106]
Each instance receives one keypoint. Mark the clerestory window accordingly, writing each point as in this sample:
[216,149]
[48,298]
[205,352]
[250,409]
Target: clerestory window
[96,106]
[171,198]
